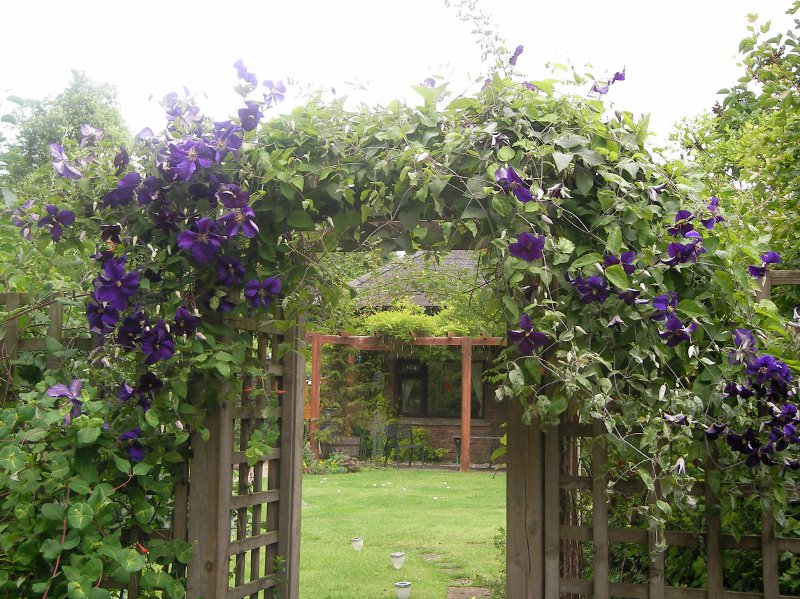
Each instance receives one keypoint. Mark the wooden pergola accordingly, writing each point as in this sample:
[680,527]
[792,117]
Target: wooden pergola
[369,343]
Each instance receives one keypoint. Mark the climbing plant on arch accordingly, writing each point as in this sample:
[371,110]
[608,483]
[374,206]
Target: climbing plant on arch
[627,294]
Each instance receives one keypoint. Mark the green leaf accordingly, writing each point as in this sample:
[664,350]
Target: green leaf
[501,205]
[505,154]
[131,560]
[143,511]
[724,280]
[224,368]
[52,511]
[156,579]
[589,259]
[300,219]
[614,242]
[50,549]
[141,469]
[692,309]
[562,160]
[647,479]
[95,593]
[184,552]
[80,515]
[52,344]
[617,277]
[88,435]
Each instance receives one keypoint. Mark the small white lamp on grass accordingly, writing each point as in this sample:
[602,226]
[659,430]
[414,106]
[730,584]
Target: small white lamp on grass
[402,590]
[357,543]
[398,559]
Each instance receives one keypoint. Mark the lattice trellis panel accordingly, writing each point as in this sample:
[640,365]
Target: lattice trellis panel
[245,520]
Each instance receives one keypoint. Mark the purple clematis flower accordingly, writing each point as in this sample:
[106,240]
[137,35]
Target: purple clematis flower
[121,160]
[136,452]
[250,116]
[509,180]
[189,155]
[676,332]
[744,343]
[714,431]
[20,217]
[631,296]
[625,260]
[230,271]
[157,343]
[102,316]
[526,338]
[601,87]
[528,247]
[231,196]
[123,194]
[166,220]
[240,219]
[592,290]
[117,286]
[665,305]
[130,331]
[679,419]
[768,258]
[615,323]
[185,322]
[244,74]
[226,140]
[429,82]
[681,253]
[71,392]
[683,224]
[61,164]
[89,135]
[275,92]
[716,217]
[56,219]
[261,293]
[513,59]
[151,190]
[223,302]
[530,86]
[766,368]
[202,241]
[125,392]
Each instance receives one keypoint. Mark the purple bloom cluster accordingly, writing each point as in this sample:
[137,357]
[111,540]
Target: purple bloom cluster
[526,337]
[676,332]
[202,241]
[510,181]
[528,247]
[56,219]
[115,286]
[593,289]
[244,74]
[260,294]
[625,259]
[61,163]
[767,259]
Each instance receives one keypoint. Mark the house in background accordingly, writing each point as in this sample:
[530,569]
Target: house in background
[428,393]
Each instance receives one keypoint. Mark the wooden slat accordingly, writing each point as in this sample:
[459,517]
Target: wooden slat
[262,540]
[14,299]
[615,589]
[633,536]
[54,330]
[571,482]
[552,542]
[769,555]
[253,412]
[713,532]
[787,544]
[524,506]
[656,574]
[239,457]
[576,429]
[784,277]
[599,511]
[685,593]
[745,542]
[256,498]
[291,464]
[252,588]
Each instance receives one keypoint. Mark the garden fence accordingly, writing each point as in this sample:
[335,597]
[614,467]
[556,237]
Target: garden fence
[243,521]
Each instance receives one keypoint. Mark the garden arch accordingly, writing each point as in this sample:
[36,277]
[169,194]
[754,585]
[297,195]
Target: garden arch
[585,193]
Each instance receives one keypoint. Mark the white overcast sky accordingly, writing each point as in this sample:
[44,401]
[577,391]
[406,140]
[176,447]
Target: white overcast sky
[677,53]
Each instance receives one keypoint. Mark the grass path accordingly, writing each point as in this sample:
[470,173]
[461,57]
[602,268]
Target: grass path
[444,521]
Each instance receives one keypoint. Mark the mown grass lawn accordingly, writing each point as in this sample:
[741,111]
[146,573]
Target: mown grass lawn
[444,521]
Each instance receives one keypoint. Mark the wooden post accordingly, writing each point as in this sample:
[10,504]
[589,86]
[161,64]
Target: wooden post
[55,330]
[524,507]
[657,580]
[466,403]
[208,571]
[600,511]
[294,379]
[769,555]
[552,522]
[713,533]
[316,382]
[8,344]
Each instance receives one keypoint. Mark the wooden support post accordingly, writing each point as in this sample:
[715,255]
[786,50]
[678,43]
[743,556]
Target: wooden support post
[713,533]
[552,523]
[769,555]
[524,507]
[466,403]
[294,379]
[599,510]
[657,580]
[8,344]
[316,382]
[209,496]
[55,330]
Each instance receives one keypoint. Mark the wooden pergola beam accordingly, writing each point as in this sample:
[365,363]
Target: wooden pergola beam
[373,343]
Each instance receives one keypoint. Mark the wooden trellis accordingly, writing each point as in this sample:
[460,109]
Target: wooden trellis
[244,522]
[536,532]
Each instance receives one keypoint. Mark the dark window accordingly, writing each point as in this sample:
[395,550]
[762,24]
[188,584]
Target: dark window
[435,389]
